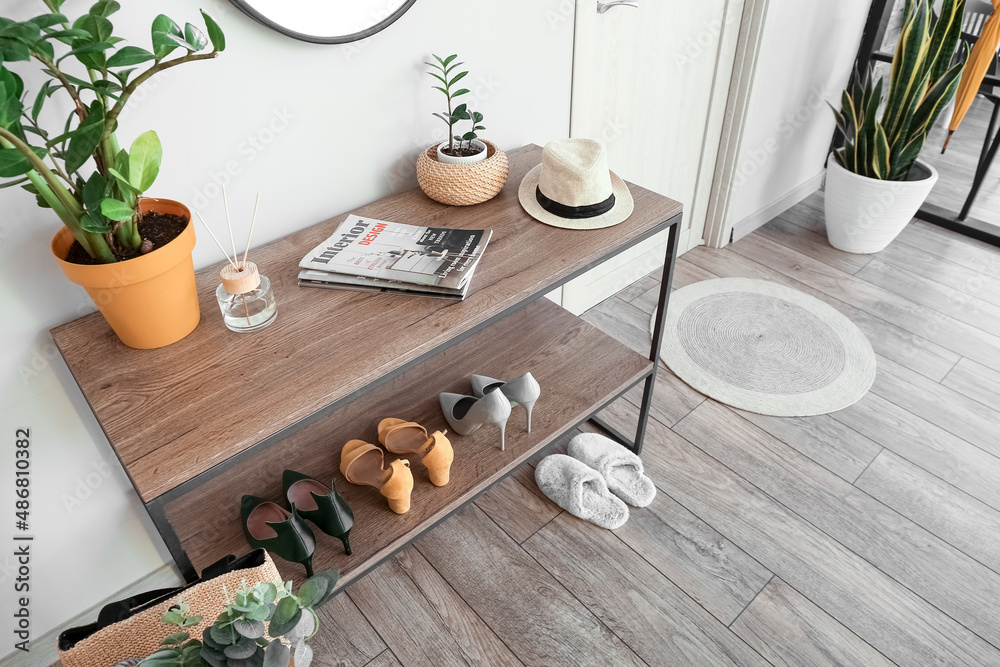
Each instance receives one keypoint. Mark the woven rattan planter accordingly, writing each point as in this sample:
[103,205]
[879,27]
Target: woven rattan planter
[462,184]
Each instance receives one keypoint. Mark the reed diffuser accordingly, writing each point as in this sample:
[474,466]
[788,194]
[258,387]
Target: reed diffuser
[245,296]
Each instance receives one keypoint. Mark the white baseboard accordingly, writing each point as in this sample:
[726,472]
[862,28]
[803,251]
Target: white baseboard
[750,223]
[43,648]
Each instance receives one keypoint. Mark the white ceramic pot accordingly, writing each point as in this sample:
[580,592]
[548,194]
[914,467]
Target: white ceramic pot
[450,159]
[864,215]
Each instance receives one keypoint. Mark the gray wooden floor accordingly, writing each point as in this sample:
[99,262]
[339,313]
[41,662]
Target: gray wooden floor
[867,537]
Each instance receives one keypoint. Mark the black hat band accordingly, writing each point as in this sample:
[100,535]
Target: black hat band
[574,212]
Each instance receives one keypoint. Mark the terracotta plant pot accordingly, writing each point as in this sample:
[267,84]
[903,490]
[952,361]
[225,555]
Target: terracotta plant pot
[149,301]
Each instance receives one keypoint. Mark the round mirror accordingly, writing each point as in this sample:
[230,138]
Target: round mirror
[325,21]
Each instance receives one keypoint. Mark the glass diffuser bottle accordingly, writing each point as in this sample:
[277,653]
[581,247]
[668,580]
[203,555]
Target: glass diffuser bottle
[245,297]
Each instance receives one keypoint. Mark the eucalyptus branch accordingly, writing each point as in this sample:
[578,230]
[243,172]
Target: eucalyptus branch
[109,120]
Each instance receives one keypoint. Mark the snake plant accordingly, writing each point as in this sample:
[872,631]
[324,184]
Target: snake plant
[924,79]
[100,206]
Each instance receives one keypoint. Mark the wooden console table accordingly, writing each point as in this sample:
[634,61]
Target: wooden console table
[217,415]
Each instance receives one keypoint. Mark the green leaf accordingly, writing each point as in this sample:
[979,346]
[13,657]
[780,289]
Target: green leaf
[85,139]
[448,59]
[94,192]
[14,164]
[122,212]
[129,55]
[191,620]
[249,629]
[458,77]
[195,37]
[144,160]
[167,36]
[94,224]
[88,47]
[476,117]
[223,636]
[104,8]
[214,33]
[46,20]
[69,35]
[13,184]
[277,654]
[242,649]
[265,592]
[331,576]
[177,638]
[98,27]
[464,91]
[44,49]
[312,591]
[469,136]
[461,112]
[43,94]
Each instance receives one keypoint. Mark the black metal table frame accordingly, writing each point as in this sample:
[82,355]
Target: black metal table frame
[157,506]
[871,40]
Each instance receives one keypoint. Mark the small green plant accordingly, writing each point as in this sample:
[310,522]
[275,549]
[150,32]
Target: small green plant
[100,206]
[238,637]
[924,79]
[476,118]
[444,69]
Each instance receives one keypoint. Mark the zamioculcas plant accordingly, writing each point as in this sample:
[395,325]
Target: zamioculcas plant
[469,136]
[444,68]
[924,78]
[84,61]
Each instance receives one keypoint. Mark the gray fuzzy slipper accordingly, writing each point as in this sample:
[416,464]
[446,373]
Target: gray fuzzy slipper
[621,469]
[580,490]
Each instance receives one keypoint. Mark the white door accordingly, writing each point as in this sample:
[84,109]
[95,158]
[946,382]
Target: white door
[652,82]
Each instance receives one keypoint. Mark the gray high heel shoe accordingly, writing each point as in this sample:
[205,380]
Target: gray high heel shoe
[466,414]
[524,390]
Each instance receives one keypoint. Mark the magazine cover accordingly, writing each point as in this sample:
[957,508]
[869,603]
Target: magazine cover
[405,253]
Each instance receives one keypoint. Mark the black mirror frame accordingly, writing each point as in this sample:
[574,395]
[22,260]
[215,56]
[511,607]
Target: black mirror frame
[340,39]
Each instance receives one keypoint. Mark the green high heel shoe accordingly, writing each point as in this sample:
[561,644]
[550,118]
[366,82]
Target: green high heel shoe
[270,526]
[320,504]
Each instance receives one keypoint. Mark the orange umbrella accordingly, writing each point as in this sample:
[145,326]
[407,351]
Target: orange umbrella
[979,62]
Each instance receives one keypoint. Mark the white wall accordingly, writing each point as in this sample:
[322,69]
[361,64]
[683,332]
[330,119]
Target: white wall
[808,52]
[336,126]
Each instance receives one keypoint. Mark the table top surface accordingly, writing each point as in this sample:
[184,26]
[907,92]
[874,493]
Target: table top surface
[175,412]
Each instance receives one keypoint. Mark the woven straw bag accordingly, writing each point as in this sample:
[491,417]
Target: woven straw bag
[142,634]
[463,184]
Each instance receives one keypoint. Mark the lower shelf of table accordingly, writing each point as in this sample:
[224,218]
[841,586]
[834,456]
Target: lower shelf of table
[578,367]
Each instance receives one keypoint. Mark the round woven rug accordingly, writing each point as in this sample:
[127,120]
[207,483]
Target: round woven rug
[766,348]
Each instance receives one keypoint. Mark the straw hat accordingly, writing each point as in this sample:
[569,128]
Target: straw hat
[572,188]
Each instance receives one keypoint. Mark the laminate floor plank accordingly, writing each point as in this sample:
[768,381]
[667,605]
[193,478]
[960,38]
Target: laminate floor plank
[813,245]
[962,250]
[790,631]
[969,281]
[838,448]
[643,607]
[952,334]
[517,506]
[949,579]
[685,274]
[672,397]
[930,447]
[623,322]
[528,609]
[640,286]
[926,291]
[957,518]
[898,623]
[925,357]
[975,381]
[815,201]
[346,634]
[716,573]
[383,659]
[422,619]
[806,217]
[970,420]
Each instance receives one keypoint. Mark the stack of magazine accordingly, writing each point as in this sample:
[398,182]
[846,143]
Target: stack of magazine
[371,255]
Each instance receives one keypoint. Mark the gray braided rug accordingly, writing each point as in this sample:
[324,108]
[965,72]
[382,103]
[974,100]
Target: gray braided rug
[766,348]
